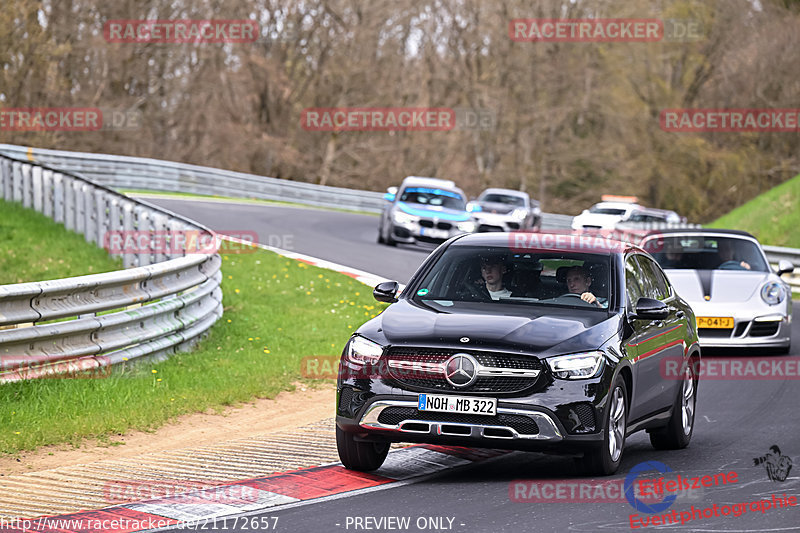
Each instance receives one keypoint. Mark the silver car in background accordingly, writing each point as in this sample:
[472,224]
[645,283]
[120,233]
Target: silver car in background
[739,301]
[424,210]
[506,210]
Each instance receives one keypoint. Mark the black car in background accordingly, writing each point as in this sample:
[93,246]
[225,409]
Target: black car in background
[532,366]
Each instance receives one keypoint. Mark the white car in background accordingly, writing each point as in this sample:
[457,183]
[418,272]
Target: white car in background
[604,215]
[739,301]
[506,210]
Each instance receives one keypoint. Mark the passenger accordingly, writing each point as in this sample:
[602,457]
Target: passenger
[578,282]
[493,268]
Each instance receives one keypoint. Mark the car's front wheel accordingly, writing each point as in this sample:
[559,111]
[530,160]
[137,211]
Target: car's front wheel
[678,431]
[357,455]
[605,460]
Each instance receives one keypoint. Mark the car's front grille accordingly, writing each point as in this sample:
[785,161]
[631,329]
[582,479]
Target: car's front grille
[521,424]
[764,329]
[740,327]
[486,228]
[714,333]
[429,224]
[431,380]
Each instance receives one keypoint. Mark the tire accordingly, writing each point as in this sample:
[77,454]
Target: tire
[601,461]
[361,456]
[678,431]
[388,240]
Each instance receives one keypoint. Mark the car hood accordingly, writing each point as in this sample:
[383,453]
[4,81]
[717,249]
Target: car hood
[426,211]
[721,285]
[554,331]
[495,208]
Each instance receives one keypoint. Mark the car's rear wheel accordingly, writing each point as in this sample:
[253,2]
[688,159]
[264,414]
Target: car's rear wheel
[678,431]
[605,460]
[357,455]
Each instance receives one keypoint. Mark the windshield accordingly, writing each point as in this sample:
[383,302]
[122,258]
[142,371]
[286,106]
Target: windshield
[606,210]
[516,201]
[496,276]
[434,198]
[704,252]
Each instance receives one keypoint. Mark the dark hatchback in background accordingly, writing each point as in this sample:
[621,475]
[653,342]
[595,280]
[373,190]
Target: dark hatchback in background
[539,369]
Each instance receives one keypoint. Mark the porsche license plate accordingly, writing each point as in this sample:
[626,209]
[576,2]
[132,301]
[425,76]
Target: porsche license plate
[715,322]
[457,404]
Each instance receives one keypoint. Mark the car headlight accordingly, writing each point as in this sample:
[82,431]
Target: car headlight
[403,218]
[467,226]
[519,213]
[772,293]
[576,366]
[363,351]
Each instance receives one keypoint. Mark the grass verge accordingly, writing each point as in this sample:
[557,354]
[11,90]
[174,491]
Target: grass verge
[773,217]
[277,311]
[35,248]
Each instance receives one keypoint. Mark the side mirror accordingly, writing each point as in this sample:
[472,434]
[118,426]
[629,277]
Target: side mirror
[386,291]
[390,194]
[473,207]
[785,267]
[650,309]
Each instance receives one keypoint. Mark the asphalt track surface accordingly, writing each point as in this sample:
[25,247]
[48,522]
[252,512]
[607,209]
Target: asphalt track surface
[736,421]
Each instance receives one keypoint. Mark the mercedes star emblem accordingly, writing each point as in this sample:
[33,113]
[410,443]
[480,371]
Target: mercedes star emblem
[461,370]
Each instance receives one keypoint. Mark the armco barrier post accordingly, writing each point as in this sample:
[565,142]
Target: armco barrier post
[47,193]
[26,186]
[58,198]
[37,190]
[16,181]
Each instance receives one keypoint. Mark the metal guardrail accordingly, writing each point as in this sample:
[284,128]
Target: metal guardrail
[156,175]
[124,172]
[168,299]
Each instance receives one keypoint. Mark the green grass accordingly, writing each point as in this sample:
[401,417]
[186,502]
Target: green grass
[773,217]
[34,248]
[277,311]
[258,201]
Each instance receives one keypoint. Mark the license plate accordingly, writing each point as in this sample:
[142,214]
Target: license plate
[715,322]
[433,233]
[457,404]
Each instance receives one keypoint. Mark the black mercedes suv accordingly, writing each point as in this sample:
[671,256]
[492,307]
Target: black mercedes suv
[553,343]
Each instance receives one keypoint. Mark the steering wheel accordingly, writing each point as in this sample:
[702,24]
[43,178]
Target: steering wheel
[472,290]
[731,265]
[573,295]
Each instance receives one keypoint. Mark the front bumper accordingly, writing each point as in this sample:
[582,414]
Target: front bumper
[753,326]
[544,423]
[494,222]
[413,232]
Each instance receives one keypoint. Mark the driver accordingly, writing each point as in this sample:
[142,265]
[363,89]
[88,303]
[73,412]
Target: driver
[727,253]
[578,282]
